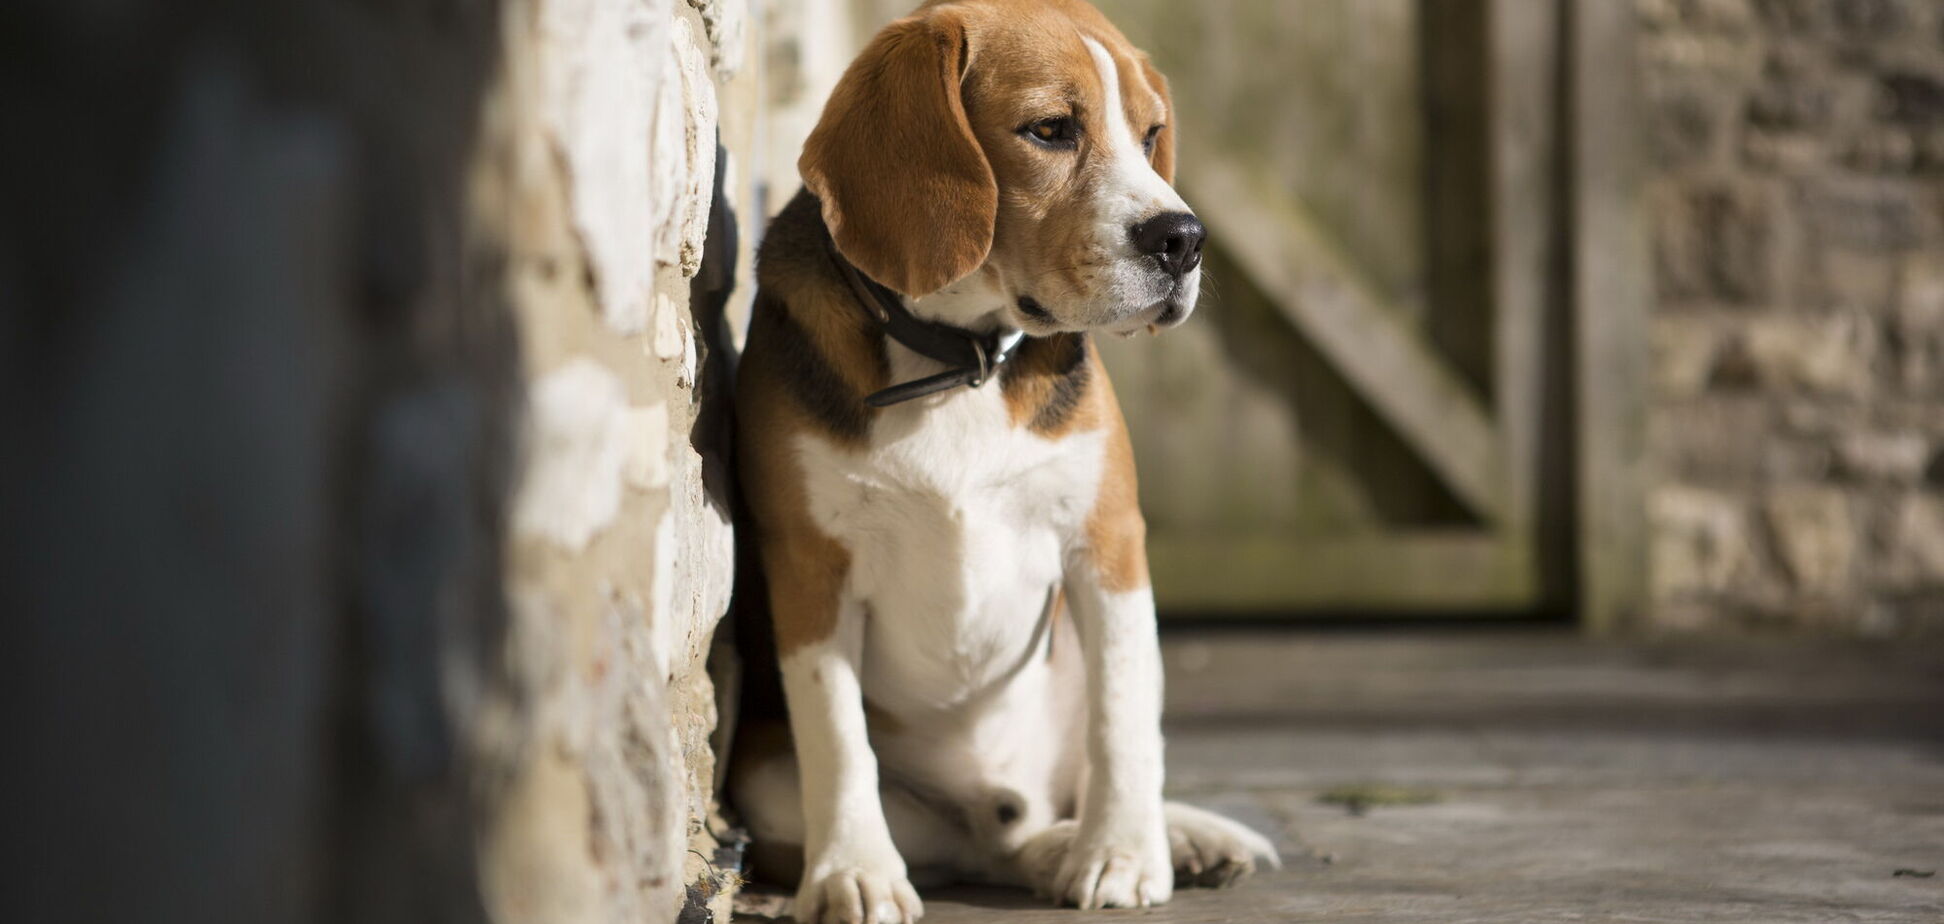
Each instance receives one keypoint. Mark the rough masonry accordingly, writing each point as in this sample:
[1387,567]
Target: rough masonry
[1797,419]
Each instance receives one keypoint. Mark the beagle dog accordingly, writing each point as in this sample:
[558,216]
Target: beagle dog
[940,484]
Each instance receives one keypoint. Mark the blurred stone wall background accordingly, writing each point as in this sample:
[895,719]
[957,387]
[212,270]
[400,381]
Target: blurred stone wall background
[1797,425]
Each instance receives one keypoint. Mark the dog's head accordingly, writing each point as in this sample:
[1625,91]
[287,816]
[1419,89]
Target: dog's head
[1017,147]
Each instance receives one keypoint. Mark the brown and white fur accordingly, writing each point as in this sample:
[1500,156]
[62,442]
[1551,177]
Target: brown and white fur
[958,585]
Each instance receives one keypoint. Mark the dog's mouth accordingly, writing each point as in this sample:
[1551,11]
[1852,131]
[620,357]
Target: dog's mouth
[1154,319]
[1172,313]
[1030,307]
[1166,313]
[1035,318]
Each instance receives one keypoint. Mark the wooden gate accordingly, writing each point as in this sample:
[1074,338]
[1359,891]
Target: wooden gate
[1414,385]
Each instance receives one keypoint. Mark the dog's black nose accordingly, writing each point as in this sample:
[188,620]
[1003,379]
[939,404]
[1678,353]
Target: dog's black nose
[1174,238]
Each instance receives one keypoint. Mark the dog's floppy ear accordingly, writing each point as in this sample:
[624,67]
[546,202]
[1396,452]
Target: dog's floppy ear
[906,190]
[1164,145]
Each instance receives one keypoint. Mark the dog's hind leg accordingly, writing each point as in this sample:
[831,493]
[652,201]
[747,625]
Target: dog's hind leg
[1211,851]
[766,791]
[1207,850]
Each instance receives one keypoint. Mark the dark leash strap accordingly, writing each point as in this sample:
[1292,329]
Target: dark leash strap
[969,358]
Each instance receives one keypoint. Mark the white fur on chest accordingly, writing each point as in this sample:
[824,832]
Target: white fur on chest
[957,523]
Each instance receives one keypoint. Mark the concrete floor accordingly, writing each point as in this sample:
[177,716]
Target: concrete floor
[1540,778]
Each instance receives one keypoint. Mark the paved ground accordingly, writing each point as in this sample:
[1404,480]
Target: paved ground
[1532,777]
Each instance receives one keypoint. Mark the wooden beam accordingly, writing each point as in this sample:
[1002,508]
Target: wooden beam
[1457,572]
[1610,291]
[1521,55]
[1276,239]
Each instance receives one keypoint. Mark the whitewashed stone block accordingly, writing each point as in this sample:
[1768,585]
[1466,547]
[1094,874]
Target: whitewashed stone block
[604,64]
[581,439]
[683,155]
[724,22]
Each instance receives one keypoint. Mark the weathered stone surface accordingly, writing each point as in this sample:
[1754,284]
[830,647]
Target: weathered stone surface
[1853,20]
[1701,542]
[1685,353]
[683,153]
[1861,284]
[1783,153]
[1793,96]
[1876,456]
[1831,355]
[1912,97]
[1882,150]
[1867,215]
[1717,243]
[1734,440]
[1930,150]
[1731,17]
[1815,536]
[1917,327]
[621,560]
[1684,126]
[604,72]
[1913,543]
[1797,220]
[582,439]
[725,22]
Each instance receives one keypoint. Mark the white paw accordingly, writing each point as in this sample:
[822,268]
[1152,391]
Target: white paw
[1124,867]
[839,892]
[1211,851]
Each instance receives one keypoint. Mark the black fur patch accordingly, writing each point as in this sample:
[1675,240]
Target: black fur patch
[815,384]
[1063,359]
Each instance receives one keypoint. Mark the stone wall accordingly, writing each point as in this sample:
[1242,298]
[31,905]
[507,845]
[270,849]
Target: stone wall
[365,526]
[598,176]
[1798,397]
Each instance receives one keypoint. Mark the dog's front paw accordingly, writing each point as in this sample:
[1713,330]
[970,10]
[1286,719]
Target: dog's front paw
[857,892]
[1125,866]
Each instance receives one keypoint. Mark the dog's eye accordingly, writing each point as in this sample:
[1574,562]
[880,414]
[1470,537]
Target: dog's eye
[1154,134]
[1058,132]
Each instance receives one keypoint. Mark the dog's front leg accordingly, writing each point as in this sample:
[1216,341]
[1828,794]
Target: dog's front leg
[852,872]
[1119,857]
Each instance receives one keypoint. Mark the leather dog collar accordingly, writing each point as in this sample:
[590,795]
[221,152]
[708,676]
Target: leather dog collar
[969,358]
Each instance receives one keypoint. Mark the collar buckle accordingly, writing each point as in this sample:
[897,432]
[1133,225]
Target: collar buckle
[985,362]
